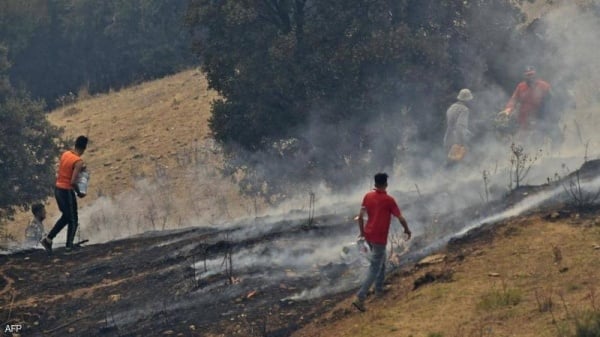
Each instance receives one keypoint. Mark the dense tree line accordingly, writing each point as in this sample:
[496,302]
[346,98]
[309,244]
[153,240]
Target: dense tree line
[28,147]
[61,46]
[325,89]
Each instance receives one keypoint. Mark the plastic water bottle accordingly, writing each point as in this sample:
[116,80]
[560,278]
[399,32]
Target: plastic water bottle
[363,246]
[82,181]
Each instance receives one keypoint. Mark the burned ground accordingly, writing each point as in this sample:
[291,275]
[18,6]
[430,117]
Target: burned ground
[147,286]
[262,277]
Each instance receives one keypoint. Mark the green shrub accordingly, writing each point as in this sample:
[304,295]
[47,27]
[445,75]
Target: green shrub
[588,325]
[498,298]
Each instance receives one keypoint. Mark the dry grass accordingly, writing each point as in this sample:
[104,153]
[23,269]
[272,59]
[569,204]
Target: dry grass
[134,130]
[477,304]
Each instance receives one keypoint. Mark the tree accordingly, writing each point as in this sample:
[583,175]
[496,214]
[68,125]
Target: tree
[62,46]
[28,147]
[314,89]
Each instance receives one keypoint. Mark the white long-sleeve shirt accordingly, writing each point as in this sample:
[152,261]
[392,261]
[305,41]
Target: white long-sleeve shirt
[457,131]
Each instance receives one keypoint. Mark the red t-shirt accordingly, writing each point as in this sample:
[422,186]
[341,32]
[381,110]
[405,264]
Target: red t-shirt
[380,208]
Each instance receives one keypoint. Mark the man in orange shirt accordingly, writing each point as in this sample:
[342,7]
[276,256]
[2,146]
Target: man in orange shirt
[379,207]
[65,190]
[529,100]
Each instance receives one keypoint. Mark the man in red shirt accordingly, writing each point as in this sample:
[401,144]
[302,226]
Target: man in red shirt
[527,102]
[379,207]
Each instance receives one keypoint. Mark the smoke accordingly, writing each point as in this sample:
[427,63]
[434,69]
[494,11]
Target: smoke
[419,167]
[198,196]
[563,46]
[572,31]
[333,261]
[299,254]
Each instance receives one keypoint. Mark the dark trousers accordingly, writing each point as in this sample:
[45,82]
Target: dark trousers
[67,203]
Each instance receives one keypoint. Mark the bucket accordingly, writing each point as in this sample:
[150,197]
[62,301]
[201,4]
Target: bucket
[82,181]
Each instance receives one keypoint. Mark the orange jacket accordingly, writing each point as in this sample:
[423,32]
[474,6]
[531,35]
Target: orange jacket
[65,169]
[530,99]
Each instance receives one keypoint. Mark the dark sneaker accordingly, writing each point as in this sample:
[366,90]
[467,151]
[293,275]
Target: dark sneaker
[47,244]
[360,305]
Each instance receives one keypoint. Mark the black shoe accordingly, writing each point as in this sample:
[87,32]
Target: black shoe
[47,244]
[68,250]
[359,304]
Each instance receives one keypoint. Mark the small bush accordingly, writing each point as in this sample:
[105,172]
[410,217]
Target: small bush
[588,325]
[500,298]
[520,164]
[435,334]
[544,301]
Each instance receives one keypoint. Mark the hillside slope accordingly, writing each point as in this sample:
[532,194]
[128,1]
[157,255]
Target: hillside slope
[150,154]
[134,130]
[528,276]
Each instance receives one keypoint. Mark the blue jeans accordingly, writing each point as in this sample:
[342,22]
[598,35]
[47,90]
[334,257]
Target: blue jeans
[376,272]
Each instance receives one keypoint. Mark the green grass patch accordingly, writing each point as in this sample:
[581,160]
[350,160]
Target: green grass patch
[588,324]
[499,298]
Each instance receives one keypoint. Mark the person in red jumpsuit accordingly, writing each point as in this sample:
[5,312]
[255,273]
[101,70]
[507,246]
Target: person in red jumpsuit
[529,104]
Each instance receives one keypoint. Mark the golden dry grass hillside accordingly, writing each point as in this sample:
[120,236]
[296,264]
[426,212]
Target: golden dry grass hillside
[135,130]
[528,277]
[155,133]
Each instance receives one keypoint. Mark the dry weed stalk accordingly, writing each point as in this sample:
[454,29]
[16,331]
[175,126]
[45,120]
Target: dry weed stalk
[544,301]
[520,165]
[557,253]
[311,211]
[580,198]
[228,261]
[562,331]
[486,177]
[592,296]
[564,302]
